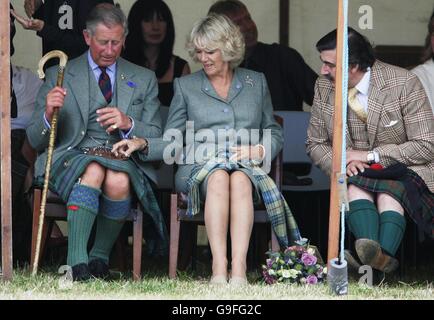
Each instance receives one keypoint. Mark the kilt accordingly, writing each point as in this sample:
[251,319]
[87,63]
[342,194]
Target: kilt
[411,192]
[67,169]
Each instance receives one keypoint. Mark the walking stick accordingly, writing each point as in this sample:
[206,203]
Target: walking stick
[60,73]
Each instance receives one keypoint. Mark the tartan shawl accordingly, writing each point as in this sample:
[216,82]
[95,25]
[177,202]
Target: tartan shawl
[279,214]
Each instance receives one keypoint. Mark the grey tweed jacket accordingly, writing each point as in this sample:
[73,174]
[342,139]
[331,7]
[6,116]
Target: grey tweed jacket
[248,106]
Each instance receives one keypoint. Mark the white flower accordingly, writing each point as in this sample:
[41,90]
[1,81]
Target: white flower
[286,274]
[271,272]
[311,251]
[294,273]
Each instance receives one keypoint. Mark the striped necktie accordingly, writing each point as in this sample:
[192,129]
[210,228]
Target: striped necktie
[105,85]
[356,106]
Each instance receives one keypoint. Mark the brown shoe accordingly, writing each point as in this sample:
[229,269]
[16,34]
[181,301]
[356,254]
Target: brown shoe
[353,264]
[370,253]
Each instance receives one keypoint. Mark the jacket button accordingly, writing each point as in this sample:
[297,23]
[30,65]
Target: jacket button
[82,133]
[225,110]
[66,163]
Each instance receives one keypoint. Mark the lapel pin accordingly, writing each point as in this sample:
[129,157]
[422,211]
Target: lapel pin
[131,84]
[122,76]
[249,80]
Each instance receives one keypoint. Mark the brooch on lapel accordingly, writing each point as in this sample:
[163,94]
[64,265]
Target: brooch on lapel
[249,80]
[131,84]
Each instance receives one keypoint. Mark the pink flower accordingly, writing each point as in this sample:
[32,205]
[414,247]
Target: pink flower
[308,259]
[311,279]
[267,277]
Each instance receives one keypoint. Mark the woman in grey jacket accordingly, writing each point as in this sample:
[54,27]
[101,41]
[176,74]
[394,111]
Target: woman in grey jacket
[225,116]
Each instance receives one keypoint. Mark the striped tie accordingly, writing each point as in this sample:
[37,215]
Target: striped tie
[105,85]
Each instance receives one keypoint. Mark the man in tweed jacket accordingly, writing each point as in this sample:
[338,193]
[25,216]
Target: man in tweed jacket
[395,125]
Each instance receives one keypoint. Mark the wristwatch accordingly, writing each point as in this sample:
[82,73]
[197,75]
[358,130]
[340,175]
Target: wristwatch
[373,157]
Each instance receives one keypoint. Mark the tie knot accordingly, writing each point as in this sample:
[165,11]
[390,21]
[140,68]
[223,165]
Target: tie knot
[352,92]
[103,69]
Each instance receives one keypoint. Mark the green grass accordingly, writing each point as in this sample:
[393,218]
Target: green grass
[46,285]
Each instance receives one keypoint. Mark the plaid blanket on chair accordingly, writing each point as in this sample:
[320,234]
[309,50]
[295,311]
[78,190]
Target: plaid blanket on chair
[280,215]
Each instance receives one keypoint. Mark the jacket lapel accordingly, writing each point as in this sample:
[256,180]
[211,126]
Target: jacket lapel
[331,99]
[237,86]
[125,85]
[208,89]
[234,90]
[376,100]
[79,84]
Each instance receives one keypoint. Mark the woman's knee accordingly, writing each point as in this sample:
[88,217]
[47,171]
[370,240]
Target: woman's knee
[240,184]
[218,180]
[94,175]
[116,184]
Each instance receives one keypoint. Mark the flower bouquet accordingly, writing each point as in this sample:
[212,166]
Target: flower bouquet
[297,264]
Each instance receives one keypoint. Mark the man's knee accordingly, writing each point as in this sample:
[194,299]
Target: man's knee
[116,184]
[93,175]
[356,193]
[386,202]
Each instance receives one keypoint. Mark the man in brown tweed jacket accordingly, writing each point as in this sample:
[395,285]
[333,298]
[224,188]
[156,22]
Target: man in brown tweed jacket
[390,124]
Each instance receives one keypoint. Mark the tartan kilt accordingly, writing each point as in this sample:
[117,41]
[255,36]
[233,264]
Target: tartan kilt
[417,203]
[67,169]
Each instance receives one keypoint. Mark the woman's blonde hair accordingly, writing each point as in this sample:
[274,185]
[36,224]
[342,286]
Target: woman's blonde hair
[216,31]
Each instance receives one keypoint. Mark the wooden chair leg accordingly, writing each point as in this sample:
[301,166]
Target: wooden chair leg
[137,245]
[174,236]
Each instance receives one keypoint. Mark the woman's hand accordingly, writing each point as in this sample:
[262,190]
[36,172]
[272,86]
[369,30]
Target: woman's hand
[247,153]
[28,24]
[128,146]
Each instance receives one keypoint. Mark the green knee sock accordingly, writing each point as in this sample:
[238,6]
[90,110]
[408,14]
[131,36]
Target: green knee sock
[82,208]
[363,220]
[109,224]
[392,228]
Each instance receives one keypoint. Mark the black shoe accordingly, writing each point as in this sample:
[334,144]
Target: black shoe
[80,272]
[99,269]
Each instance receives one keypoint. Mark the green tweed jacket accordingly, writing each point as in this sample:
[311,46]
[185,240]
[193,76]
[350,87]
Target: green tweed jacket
[248,106]
[137,92]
